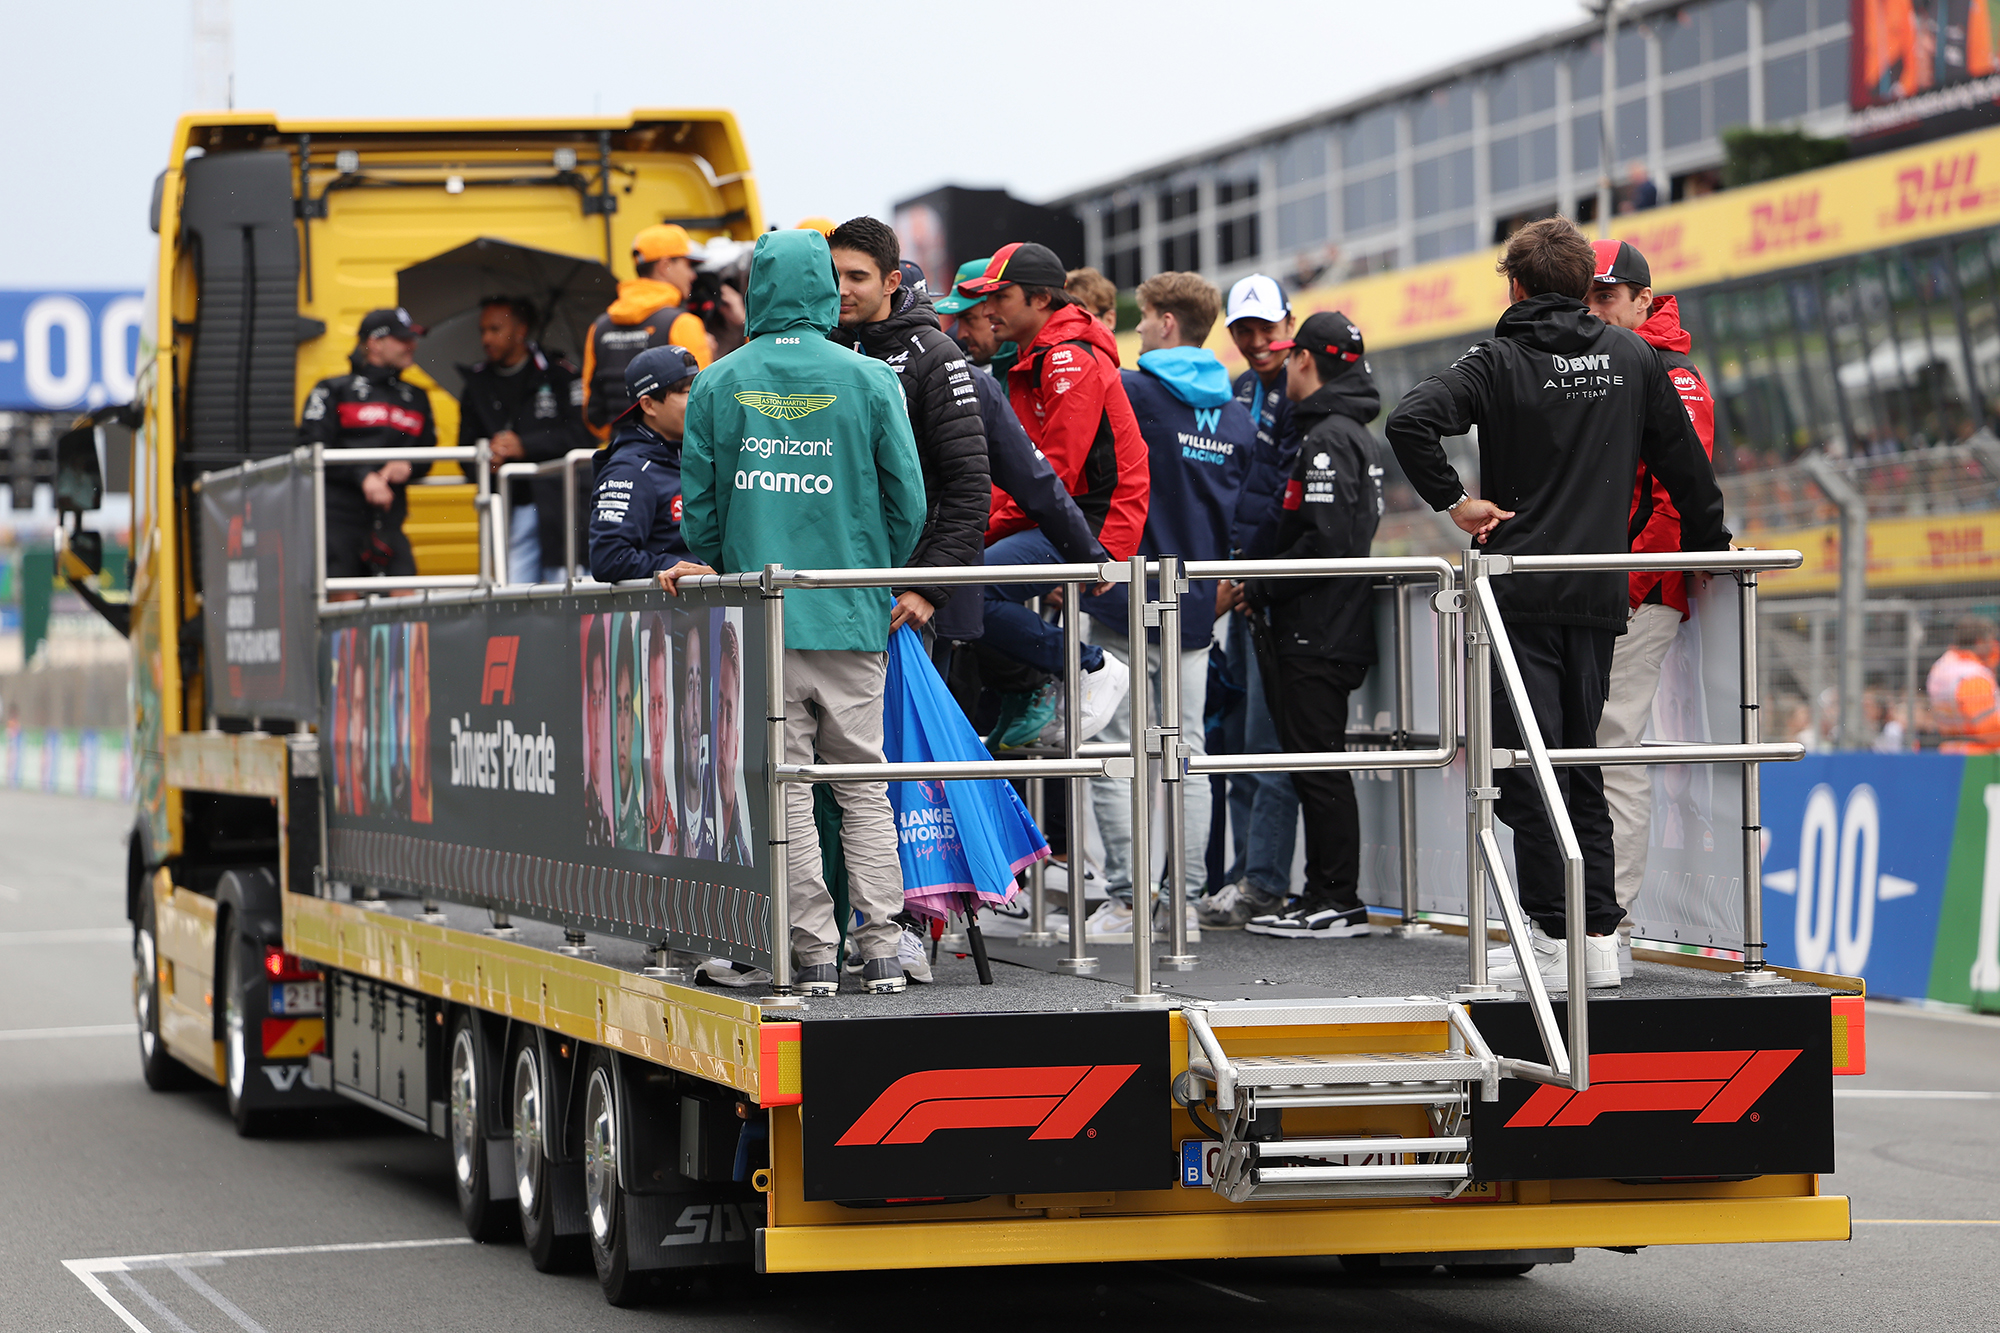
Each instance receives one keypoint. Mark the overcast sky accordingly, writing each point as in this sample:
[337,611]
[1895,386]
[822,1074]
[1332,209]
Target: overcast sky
[845,107]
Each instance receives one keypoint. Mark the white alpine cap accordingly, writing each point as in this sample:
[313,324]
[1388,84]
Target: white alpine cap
[1258,297]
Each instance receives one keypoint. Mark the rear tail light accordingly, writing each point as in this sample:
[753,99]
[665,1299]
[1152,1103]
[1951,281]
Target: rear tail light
[282,966]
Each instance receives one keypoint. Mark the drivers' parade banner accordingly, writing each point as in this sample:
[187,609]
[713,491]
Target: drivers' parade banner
[580,760]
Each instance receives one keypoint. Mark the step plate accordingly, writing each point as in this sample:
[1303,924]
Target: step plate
[1266,1071]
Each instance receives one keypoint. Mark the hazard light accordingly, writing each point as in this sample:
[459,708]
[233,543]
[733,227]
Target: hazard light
[282,966]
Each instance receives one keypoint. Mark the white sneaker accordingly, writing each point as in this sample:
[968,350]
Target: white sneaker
[1005,921]
[1552,961]
[1624,951]
[1103,690]
[915,956]
[736,976]
[1109,924]
[1055,879]
[1161,925]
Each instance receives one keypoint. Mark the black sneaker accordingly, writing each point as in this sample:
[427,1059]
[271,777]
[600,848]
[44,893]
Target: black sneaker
[1311,923]
[820,981]
[883,976]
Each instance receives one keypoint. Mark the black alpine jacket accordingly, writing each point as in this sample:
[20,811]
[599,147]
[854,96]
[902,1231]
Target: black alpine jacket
[371,408]
[1566,406]
[944,416]
[1329,509]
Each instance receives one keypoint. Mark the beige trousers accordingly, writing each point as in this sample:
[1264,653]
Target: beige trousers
[1628,706]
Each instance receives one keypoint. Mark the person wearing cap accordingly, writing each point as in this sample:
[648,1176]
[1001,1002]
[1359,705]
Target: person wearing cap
[635,509]
[651,311]
[1568,407]
[1066,391]
[371,407]
[1260,825]
[528,404]
[799,453]
[1621,294]
[972,326]
[885,312]
[1318,640]
[1198,440]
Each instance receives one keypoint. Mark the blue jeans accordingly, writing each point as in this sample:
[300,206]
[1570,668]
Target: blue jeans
[1011,628]
[524,550]
[1263,807]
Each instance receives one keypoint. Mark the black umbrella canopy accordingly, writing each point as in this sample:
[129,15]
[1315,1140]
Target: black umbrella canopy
[443,294]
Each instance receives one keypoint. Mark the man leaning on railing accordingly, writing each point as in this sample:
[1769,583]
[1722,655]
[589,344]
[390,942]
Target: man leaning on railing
[1567,406]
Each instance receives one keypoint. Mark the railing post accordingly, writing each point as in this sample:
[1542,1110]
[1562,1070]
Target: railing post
[1173,764]
[483,479]
[1079,960]
[569,516]
[1406,780]
[1038,932]
[1140,610]
[1480,793]
[778,845]
[1754,972]
[319,525]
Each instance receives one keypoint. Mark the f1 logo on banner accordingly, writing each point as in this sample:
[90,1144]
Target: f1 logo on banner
[1056,1101]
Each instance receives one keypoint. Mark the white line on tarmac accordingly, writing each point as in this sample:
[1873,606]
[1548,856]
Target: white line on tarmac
[81,935]
[1917,1094]
[1212,1286]
[87,1271]
[1927,1221]
[58,1034]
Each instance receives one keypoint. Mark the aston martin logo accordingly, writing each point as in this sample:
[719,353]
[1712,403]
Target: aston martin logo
[785,406]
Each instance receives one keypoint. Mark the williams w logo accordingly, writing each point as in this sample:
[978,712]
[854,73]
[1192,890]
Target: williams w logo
[786,406]
[1207,418]
[1720,1087]
[1576,365]
[1056,1101]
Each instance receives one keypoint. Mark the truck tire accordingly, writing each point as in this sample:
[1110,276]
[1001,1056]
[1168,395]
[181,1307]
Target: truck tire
[536,1178]
[487,1220]
[603,1198]
[161,1071]
[239,1015]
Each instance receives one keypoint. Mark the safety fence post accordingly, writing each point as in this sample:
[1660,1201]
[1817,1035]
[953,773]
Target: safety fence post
[1143,611]
[778,845]
[1173,764]
[1079,960]
[1754,972]
[1480,793]
[1406,779]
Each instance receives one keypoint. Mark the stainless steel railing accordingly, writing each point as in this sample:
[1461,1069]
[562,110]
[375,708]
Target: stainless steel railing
[567,466]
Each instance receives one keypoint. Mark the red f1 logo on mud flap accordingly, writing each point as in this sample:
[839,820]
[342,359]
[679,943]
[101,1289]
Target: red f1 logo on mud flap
[498,677]
[1720,1086]
[1056,1101]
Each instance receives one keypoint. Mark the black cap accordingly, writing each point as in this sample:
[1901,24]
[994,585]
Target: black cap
[1023,262]
[657,369]
[1620,261]
[390,323]
[1327,332]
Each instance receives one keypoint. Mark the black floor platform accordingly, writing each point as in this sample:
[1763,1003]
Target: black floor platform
[1232,965]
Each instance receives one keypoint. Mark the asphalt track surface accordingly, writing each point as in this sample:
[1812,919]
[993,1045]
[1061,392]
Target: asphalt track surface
[349,1223]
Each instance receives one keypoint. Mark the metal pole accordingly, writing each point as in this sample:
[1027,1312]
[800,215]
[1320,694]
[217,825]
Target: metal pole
[483,476]
[319,526]
[1173,763]
[778,846]
[569,516]
[1406,781]
[1038,929]
[1480,792]
[1140,610]
[1754,972]
[1079,961]
[1853,627]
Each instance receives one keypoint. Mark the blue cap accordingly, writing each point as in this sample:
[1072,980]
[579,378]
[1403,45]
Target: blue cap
[657,369]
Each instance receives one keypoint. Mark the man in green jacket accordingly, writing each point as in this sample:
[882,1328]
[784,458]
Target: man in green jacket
[798,452]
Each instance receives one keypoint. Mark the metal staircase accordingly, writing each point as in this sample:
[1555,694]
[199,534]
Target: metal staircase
[1249,1095]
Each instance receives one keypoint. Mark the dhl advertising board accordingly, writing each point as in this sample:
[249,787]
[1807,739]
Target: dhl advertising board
[1902,553]
[1945,186]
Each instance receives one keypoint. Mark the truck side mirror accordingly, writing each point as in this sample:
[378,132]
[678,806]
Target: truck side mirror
[79,481]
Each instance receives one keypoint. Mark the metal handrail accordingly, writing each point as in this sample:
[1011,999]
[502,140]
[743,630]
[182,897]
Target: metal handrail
[567,465]
[479,454]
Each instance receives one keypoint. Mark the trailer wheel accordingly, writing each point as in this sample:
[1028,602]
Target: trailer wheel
[1487,1270]
[535,1181]
[235,1038]
[603,1200]
[161,1071]
[486,1220]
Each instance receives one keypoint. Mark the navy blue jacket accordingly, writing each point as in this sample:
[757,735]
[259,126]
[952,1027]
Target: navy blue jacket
[635,513]
[1020,470]
[1254,532]
[1198,442]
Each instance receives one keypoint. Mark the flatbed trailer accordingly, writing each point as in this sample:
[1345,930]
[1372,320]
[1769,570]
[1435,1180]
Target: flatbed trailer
[424,924]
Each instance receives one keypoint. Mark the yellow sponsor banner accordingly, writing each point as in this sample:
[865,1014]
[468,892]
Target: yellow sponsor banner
[1902,553]
[1935,189]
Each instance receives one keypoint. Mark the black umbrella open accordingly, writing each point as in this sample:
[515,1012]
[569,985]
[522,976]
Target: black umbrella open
[443,294]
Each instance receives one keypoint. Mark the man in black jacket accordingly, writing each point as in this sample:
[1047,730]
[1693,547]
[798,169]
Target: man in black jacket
[371,408]
[885,312]
[528,405]
[1321,636]
[1566,406]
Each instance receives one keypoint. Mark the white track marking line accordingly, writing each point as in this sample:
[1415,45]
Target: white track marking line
[1927,1221]
[57,1034]
[217,1299]
[174,1321]
[74,935]
[1918,1094]
[1212,1286]
[87,1271]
